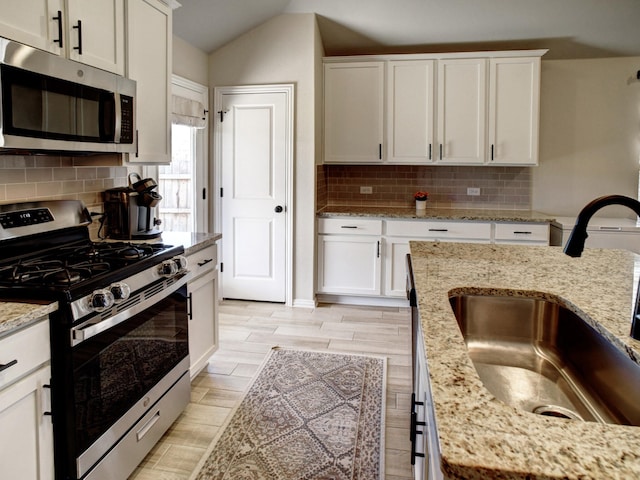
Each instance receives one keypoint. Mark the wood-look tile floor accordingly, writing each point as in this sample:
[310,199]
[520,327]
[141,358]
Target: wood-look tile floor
[248,331]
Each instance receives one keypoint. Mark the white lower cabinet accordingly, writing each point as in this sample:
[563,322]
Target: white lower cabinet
[349,264]
[349,256]
[26,444]
[203,308]
[367,257]
[425,444]
[522,233]
[400,232]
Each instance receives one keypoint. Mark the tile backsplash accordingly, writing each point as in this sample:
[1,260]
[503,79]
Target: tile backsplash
[51,177]
[394,186]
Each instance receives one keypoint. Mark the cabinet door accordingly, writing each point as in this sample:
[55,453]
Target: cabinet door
[461,111]
[26,445]
[514,90]
[410,111]
[396,250]
[353,112]
[149,64]
[203,324]
[95,33]
[32,23]
[349,264]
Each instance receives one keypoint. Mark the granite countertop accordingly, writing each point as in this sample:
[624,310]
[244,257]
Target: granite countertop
[14,315]
[437,214]
[192,241]
[481,437]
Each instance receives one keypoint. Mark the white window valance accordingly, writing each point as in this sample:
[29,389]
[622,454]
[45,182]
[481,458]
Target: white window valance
[185,111]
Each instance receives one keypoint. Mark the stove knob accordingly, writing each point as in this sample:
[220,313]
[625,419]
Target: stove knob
[181,262]
[120,291]
[168,268]
[101,300]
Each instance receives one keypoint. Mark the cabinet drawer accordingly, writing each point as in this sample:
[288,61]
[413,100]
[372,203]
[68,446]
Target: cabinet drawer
[522,232]
[350,226]
[440,229]
[203,260]
[28,348]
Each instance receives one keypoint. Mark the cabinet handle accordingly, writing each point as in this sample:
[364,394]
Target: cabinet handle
[59,19]
[430,148]
[3,367]
[190,306]
[79,27]
[379,151]
[521,233]
[440,151]
[438,230]
[204,262]
[348,226]
[378,249]
[492,150]
[47,413]
[414,432]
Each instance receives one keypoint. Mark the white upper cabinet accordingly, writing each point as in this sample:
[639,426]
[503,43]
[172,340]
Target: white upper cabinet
[462,104]
[476,108]
[410,111]
[34,23]
[149,64]
[88,32]
[353,112]
[95,32]
[514,91]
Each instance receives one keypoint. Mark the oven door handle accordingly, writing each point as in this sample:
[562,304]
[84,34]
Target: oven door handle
[97,325]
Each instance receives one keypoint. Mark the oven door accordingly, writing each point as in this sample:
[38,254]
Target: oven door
[119,373]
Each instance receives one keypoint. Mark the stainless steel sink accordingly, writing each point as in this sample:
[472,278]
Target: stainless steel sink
[539,356]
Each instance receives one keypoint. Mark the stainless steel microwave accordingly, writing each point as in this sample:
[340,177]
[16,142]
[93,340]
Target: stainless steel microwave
[52,104]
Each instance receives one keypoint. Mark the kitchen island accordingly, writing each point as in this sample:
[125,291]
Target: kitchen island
[480,437]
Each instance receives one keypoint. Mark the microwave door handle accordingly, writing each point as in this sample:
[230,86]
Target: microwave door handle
[117,130]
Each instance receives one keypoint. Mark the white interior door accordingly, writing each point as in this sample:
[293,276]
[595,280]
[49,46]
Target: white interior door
[255,147]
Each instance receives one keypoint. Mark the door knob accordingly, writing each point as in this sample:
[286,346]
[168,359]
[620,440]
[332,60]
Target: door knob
[278,209]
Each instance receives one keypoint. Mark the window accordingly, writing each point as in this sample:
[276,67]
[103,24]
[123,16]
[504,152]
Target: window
[176,182]
[184,184]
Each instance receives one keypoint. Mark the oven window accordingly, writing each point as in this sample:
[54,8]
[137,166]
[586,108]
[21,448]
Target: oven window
[115,369]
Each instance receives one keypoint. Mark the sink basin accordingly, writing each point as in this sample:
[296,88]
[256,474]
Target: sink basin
[541,357]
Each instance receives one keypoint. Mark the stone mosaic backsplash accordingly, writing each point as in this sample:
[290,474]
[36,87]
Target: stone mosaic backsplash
[394,186]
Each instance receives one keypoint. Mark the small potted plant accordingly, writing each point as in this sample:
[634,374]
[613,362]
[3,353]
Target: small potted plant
[421,200]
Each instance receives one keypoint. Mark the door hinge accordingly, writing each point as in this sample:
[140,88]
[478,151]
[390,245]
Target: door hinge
[204,193]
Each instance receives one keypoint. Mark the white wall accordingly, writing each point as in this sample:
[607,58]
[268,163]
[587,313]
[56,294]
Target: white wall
[190,62]
[589,134]
[284,50]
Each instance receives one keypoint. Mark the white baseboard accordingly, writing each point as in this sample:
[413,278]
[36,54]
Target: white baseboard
[304,304]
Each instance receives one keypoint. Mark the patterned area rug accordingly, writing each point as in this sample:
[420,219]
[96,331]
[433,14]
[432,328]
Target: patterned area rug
[306,416]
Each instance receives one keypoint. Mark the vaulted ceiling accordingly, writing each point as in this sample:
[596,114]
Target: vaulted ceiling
[568,28]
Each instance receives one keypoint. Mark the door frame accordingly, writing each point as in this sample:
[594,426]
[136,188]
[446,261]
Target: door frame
[289,90]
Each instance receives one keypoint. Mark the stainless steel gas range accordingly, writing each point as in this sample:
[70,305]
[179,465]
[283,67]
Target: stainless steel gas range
[119,339]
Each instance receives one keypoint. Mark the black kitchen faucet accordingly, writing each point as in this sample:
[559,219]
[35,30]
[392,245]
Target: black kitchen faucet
[579,235]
